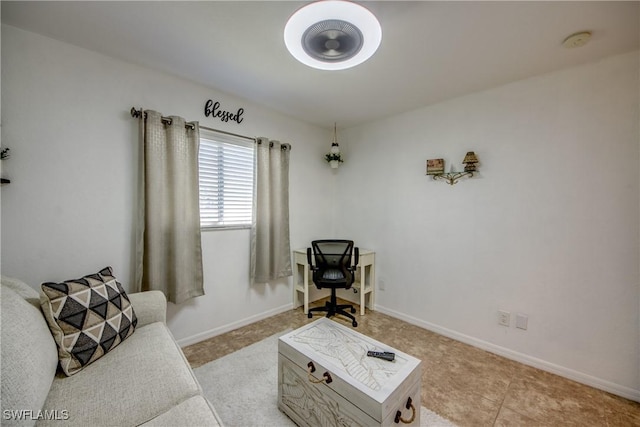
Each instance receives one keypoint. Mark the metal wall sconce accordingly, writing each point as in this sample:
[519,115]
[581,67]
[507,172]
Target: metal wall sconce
[435,168]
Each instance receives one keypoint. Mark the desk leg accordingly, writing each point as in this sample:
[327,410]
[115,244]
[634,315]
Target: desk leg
[295,286]
[363,285]
[306,288]
[372,283]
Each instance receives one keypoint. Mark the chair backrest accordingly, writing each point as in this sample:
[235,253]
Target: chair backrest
[332,262]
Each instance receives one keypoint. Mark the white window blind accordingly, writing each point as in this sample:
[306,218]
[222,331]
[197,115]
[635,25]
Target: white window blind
[226,180]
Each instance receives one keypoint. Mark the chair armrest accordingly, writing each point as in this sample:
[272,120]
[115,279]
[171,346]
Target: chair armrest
[311,266]
[149,306]
[356,257]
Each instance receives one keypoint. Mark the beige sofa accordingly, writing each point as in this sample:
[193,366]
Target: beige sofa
[146,380]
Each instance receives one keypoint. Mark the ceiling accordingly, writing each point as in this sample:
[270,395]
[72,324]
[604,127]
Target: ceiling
[430,51]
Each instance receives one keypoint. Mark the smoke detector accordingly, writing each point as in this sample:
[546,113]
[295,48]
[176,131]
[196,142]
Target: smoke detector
[577,39]
[332,34]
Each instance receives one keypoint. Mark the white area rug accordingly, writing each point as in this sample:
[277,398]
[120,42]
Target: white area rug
[243,387]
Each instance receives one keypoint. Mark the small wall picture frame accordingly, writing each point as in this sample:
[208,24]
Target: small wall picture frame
[435,166]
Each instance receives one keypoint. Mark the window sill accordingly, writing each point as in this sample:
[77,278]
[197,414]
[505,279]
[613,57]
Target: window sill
[225,227]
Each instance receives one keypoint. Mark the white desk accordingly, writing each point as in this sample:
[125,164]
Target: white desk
[365,281]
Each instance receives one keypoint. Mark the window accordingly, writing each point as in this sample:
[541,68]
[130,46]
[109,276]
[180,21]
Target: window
[226,180]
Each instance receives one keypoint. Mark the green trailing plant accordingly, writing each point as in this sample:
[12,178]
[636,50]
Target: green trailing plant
[4,153]
[333,156]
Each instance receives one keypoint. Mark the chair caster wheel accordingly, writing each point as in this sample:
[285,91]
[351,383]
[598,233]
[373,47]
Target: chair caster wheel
[353,310]
[354,323]
[309,315]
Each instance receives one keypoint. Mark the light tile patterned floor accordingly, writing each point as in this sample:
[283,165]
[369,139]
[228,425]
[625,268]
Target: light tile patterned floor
[469,386]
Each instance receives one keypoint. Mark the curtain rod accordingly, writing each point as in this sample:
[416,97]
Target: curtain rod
[167,121]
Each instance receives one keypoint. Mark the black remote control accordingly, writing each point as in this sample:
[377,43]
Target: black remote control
[386,355]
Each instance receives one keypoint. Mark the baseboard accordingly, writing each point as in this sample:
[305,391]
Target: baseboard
[234,325]
[562,371]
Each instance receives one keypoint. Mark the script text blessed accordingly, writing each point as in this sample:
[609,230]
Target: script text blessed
[213,109]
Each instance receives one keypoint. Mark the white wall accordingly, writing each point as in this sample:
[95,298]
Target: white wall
[549,228]
[70,206]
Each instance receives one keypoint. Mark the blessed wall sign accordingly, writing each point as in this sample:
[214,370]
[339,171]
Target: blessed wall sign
[213,109]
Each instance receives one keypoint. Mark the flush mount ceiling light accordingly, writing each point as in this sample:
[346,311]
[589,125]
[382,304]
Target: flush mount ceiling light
[577,39]
[332,34]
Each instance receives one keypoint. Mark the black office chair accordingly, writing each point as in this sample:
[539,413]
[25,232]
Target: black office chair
[333,270]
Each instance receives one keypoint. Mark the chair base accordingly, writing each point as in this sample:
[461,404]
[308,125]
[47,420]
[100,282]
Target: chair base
[332,308]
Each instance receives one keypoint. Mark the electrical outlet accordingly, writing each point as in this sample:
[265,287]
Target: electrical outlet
[504,317]
[381,284]
[522,321]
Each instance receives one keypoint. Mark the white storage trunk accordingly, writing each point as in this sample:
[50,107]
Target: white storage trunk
[356,390]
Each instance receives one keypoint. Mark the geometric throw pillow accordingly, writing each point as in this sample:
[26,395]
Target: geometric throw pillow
[87,317]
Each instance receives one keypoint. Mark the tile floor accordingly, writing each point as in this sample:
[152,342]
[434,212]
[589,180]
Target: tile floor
[469,386]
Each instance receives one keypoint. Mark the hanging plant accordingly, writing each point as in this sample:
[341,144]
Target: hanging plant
[333,157]
[330,157]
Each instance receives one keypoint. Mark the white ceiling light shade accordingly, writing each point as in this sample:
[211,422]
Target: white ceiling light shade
[332,34]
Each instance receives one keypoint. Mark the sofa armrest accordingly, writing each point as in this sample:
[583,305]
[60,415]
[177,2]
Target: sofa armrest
[149,306]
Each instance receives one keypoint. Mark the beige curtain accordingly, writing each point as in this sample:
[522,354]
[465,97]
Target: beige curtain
[169,249]
[270,246]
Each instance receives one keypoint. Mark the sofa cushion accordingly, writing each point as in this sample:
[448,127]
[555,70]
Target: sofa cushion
[88,317]
[29,359]
[195,411]
[145,376]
